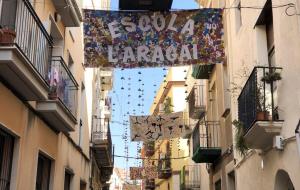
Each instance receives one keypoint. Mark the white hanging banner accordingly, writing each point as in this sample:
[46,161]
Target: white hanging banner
[152,128]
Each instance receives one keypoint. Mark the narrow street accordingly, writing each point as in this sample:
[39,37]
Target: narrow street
[149,95]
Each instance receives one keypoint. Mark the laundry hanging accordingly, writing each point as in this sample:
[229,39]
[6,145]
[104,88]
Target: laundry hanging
[124,39]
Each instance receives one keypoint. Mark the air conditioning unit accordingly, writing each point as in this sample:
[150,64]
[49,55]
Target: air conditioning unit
[278,142]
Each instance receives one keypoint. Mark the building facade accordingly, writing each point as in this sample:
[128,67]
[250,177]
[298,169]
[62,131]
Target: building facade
[101,143]
[260,40]
[44,138]
[169,98]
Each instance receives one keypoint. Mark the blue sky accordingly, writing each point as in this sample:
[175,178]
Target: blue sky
[133,94]
[177,4]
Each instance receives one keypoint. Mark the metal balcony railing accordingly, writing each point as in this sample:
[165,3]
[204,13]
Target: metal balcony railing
[164,163]
[206,145]
[190,177]
[149,148]
[101,133]
[206,135]
[197,102]
[63,84]
[31,36]
[257,100]
[150,184]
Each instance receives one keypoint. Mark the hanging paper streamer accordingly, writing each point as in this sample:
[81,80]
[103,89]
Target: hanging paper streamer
[152,128]
[143,173]
[148,39]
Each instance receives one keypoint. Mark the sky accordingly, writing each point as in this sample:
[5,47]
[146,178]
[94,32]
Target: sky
[133,94]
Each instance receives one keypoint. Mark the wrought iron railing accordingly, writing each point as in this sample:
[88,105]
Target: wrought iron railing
[31,36]
[101,133]
[197,101]
[149,148]
[257,100]
[206,135]
[63,85]
[164,169]
[190,177]
[150,184]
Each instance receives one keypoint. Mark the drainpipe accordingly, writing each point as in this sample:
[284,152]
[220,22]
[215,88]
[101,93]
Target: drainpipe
[297,134]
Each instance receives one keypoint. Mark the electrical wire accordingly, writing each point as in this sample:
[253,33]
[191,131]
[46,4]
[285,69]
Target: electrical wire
[288,7]
[140,158]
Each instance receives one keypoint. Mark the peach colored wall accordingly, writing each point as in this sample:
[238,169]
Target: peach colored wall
[34,136]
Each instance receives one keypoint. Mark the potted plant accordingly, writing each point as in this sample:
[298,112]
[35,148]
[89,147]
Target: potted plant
[7,36]
[270,77]
[261,111]
[53,92]
[240,142]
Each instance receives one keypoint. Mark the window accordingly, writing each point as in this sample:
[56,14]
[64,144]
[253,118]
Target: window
[82,110]
[6,156]
[43,173]
[231,180]
[82,185]
[218,185]
[68,179]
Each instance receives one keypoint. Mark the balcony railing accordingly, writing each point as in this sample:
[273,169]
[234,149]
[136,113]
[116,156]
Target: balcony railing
[31,36]
[206,144]
[150,184]
[190,177]
[164,164]
[101,133]
[149,148]
[197,102]
[258,98]
[63,85]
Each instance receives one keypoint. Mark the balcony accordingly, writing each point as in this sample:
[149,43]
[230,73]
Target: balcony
[69,11]
[149,148]
[60,110]
[190,177]
[150,184]
[201,71]
[206,145]
[106,172]
[258,109]
[101,142]
[25,59]
[197,102]
[164,166]
[106,79]
[107,108]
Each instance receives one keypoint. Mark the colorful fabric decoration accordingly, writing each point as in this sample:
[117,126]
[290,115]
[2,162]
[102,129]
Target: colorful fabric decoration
[152,128]
[143,173]
[123,39]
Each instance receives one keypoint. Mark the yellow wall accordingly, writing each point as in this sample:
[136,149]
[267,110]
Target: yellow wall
[33,136]
[179,147]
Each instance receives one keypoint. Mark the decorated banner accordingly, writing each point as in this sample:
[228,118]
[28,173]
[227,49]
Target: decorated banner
[143,173]
[152,128]
[124,39]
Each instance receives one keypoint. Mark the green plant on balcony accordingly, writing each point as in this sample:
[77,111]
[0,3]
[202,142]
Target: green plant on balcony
[240,143]
[261,109]
[271,77]
[53,92]
[168,107]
